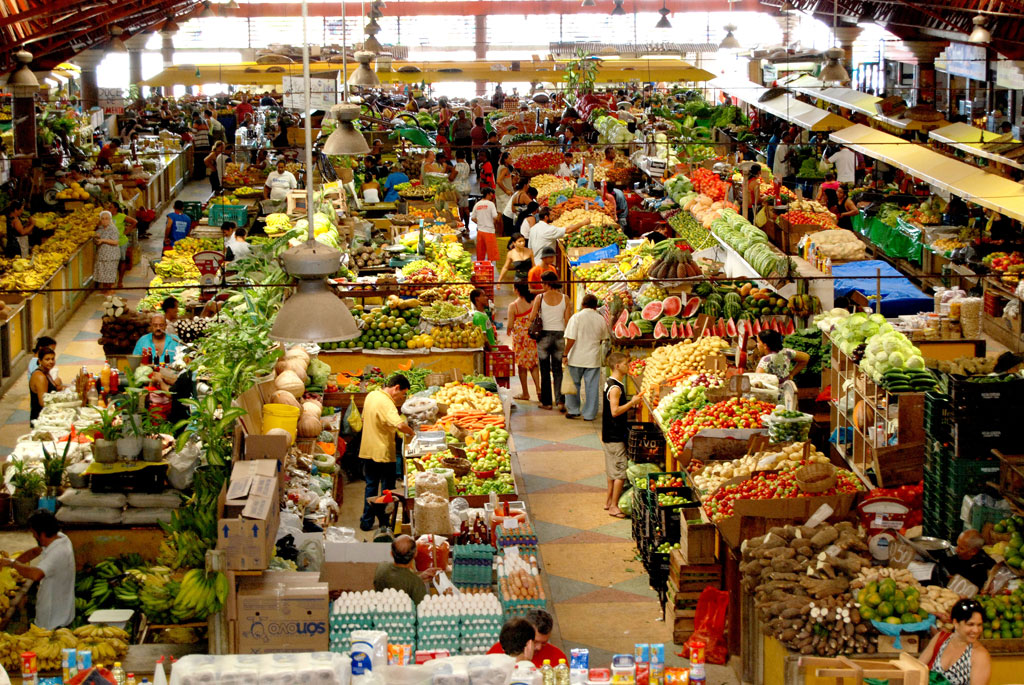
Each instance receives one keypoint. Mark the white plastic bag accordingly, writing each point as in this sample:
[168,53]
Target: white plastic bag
[87,498]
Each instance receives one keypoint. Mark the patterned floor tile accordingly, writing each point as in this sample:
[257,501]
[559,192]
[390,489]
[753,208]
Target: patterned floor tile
[534,483]
[619,528]
[592,441]
[18,416]
[549,532]
[604,565]
[598,480]
[83,336]
[604,595]
[639,584]
[525,443]
[561,464]
[565,589]
[584,510]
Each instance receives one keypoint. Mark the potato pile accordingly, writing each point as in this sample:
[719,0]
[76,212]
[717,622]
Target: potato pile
[711,477]
[800,578]
[592,216]
[672,360]
[468,397]
[964,366]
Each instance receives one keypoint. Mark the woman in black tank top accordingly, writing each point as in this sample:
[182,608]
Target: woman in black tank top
[41,383]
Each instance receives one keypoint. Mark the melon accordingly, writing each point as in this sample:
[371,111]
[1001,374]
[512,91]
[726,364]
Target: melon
[623,318]
[755,326]
[633,331]
[790,327]
[730,328]
[675,330]
[620,331]
[689,331]
[692,305]
[652,311]
[720,327]
[671,306]
[660,331]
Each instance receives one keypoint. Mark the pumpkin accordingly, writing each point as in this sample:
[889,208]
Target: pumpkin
[297,352]
[290,382]
[284,397]
[298,366]
[313,407]
[309,425]
[280,431]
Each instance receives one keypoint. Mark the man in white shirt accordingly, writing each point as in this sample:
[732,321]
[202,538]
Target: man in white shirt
[484,214]
[53,570]
[846,165]
[279,182]
[780,169]
[239,248]
[544,234]
[584,335]
[565,168]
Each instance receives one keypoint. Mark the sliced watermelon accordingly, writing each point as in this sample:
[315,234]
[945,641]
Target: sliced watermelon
[675,330]
[692,305]
[755,326]
[623,318]
[620,331]
[775,324]
[730,328]
[671,306]
[633,330]
[720,327]
[689,331]
[652,311]
[660,331]
[790,327]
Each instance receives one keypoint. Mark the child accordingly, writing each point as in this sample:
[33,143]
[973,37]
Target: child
[615,429]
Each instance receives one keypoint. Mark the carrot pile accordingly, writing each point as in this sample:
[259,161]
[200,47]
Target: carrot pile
[470,420]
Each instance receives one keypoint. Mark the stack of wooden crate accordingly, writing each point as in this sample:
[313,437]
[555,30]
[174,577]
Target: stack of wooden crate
[685,583]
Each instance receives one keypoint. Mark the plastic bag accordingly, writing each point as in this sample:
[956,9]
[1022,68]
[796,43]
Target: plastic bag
[640,471]
[181,466]
[353,419]
[893,630]
[626,502]
[710,626]
[428,482]
[568,385]
[761,218]
[169,499]
[87,498]
[147,516]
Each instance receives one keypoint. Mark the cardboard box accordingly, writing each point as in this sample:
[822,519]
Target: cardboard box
[752,518]
[281,611]
[349,567]
[248,515]
[267,447]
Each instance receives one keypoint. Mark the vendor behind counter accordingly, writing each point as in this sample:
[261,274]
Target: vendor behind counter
[783,363]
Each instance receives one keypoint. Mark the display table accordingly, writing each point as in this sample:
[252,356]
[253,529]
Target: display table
[165,183]
[465,361]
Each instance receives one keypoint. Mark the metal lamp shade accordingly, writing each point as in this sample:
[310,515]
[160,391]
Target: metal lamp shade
[980,34]
[618,10]
[588,3]
[663,23]
[729,42]
[364,76]
[834,71]
[23,76]
[313,314]
[345,139]
[371,44]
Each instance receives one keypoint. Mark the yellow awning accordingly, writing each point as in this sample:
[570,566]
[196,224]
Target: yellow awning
[613,71]
[969,139]
[964,180]
[785,106]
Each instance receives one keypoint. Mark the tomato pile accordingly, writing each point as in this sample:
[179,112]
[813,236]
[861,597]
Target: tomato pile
[731,413]
[539,161]
[637,366]
[707,182]
[771,485]
[826,220]
[667,480]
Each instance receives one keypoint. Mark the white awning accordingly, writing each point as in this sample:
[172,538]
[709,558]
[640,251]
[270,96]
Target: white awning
[964,180]
[863,103]
[785,106]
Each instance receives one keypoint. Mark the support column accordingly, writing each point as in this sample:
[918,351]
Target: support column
[846,36]
[167,52]
[480,48]
[924,71]
[88,61]
[136,44]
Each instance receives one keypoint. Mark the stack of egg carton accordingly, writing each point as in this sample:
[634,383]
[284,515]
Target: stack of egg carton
[468,623]
[471,565]
[390,610]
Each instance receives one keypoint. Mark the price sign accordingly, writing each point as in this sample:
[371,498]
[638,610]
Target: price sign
[111,100]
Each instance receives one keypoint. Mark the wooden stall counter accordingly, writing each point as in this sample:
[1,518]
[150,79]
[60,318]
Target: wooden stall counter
[465,361]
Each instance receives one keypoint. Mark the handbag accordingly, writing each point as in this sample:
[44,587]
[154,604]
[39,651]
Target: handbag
[536,329]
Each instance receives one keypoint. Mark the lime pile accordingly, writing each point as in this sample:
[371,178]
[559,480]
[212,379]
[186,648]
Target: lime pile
[387,328]
[884,601]
[1013,549]
[1004,615]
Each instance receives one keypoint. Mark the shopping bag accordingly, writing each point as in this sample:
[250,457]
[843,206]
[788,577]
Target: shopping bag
[761,218]
[568,386]
[709,626]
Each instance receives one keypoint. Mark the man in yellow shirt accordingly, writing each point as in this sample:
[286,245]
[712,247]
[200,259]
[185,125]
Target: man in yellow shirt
[381,423]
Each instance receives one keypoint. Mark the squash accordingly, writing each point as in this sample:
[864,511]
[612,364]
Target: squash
[298,366]
[284,397]
[280,431]
[290,382]
[297,352]
[309,425]
[313,407]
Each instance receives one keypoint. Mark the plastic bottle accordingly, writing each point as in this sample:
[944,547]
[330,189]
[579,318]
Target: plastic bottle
[130,679]
[547,673]
[562,673]
[159,675]
[105,375]
[118,672]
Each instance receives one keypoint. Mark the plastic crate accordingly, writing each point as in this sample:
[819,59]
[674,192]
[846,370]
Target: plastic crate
[976,439]
[499,362]
[981,399]
[220,213]
[646,443]
[972,473]
[194,210]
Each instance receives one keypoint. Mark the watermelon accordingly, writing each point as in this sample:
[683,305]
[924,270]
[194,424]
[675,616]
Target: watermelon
[689,331]
[730,328]
[675,330]
[755,327]
[652,311]
[620,331]
[660,331]
[692,305]
[790,327]
[623,318]
[720,328]
[633,330]
[671,306]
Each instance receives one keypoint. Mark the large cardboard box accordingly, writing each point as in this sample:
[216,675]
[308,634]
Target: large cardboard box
[281,611]
[349,567]
[248,515]
[268,447]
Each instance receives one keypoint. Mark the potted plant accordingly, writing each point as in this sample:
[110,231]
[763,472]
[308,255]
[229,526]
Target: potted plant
[129,444]
[152,443]
[53,468]
[28,486]
[104,448]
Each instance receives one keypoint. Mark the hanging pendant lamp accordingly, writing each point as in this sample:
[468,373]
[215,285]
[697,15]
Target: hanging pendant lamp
[618,10]
[116,44]
[588,3]
[834,71]
[23,76]
[980,35]
[364,76]
[663,23]
[345,139]
[729,42]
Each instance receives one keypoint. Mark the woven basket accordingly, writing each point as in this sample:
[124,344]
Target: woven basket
[816,477]
[460,466]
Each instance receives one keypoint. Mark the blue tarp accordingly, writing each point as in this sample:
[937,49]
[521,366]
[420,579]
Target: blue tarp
[899,295]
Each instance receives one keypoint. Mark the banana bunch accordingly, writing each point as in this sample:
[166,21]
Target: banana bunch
[107,643]
[201,594]
[804,305]
[175,265]
[156,596]
[47,645]
[177,635]
[182,549]
[10,652]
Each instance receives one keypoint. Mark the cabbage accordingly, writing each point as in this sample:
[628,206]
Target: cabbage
[877,318]
[897,359]
[319,372]
[915,362]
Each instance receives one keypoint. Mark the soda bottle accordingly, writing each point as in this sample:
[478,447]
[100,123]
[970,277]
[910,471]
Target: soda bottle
[118,673]
[547,673]
[562,673]
[130,680]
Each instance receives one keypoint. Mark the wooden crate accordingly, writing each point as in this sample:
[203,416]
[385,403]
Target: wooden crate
[1011,476]
[698,541]
[693,577]
[680,601]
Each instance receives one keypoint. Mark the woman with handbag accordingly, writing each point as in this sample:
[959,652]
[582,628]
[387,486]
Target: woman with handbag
[524,348]
[550,313]
[958,656]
